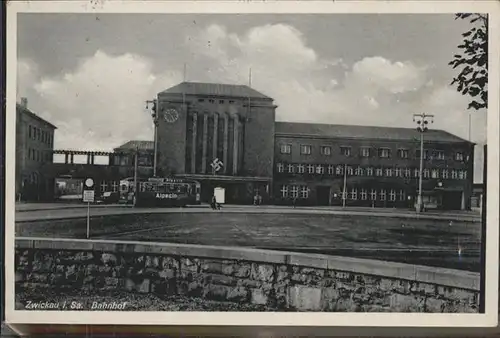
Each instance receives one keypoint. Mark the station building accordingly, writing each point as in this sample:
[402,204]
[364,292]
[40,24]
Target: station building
[227,136]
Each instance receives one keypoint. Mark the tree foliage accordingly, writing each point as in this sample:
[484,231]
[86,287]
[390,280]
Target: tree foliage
[472,61]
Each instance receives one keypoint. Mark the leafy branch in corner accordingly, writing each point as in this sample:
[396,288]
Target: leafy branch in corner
[472,61]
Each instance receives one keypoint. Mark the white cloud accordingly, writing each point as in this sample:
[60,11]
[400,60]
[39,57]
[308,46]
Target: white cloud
[101,103]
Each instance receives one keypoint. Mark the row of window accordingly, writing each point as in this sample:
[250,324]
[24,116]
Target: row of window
[111,186]
[370,171]
[213,101]
[429,154]
[38,134]
[39,155]
[296,191]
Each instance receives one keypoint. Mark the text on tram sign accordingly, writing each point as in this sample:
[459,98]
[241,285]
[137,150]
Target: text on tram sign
[166,196]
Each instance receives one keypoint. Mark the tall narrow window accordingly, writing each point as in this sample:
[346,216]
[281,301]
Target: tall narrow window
[364,194]
[384,153]
[407,172]
[402,195]
[392,195]
[320,170]
[304,192]
[305,149]
[454,174]
[295,191]
[354,194]
[281,167]
[435,173]
[345,151]
[291,168]
[301,168]
[444,173]
[331,170]
[286,148]
[403,153]
[326,150]
[310,169]
[369,171]
[284,191]
[339,170]
[383,195]
[373,195]
[365,152]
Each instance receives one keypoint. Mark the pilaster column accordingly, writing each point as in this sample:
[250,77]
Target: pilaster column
[236,143]
[205,144]
[226,144]
[216,133]
[193,143]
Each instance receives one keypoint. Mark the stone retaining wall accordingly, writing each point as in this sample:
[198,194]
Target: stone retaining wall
[282,280]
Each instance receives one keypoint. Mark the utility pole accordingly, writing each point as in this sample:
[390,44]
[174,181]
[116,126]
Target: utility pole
[135,174]
[154,115]
[344,193]
[422,121]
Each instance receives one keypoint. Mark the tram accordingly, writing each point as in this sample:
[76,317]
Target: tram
[160,192]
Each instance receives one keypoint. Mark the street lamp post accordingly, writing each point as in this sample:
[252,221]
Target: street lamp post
[154,115]
[422,126]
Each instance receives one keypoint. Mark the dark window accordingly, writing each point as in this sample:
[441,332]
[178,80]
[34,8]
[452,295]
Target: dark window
[29,132]
[326,150]
[221,101]
[305,149]
[201,100]
[365,152]
[384,153]
[346,151]
[403,153]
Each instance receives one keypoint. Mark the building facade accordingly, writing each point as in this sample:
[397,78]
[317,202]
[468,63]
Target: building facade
[226,136]
[220,135]
[34,147]
[370,166]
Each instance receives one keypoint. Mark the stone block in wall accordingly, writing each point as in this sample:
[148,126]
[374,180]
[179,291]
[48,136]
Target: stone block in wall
[243,270]
[394,285]
[258,297]
[434,305]
[42,262]
[211,267]
[108,259]
[215,292]
[305,298]
[170,263]
[237,294]
[262,272]
[222,280]
[167,273]
[189,264]
[20,276]
[249,283]
[329,298]
[406,303]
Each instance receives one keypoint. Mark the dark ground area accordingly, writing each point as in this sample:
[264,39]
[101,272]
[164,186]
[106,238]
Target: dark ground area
[415,241]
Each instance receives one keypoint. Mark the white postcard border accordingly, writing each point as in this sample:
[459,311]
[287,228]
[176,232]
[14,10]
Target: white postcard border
[245,318]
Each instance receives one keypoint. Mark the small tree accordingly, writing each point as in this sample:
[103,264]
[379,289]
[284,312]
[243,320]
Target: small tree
[472,61]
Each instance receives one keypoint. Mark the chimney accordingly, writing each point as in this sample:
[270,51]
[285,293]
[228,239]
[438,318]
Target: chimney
[24,102]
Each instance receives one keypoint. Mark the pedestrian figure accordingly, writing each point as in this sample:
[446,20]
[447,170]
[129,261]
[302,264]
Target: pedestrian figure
[294,202]
[213,203]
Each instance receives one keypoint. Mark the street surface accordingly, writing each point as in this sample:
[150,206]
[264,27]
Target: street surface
[443,240]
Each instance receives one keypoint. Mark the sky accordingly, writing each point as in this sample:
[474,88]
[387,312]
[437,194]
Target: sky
[90,75]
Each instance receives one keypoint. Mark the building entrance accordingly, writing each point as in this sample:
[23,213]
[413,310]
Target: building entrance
[452,200]
[323,195]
